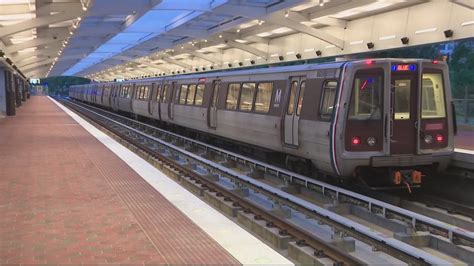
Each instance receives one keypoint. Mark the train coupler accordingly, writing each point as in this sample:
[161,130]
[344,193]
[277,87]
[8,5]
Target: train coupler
[408,178]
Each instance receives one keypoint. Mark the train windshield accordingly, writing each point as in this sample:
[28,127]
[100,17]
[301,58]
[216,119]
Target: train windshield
[432,96]
[366,99]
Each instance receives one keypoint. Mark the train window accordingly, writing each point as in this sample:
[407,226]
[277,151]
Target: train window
[183,94]
[402,99]
[432,96]
[191,94]
[246,96]
[138,90]
[300,98]
[291,103]
[263,98]
[215,94]
[366,98]
[158,93]
[232,96]
[327,100]
[165,93]
[145,93]
[199,94]
[123,93]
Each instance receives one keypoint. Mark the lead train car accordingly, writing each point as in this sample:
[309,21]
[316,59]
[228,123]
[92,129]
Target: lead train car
[390,116]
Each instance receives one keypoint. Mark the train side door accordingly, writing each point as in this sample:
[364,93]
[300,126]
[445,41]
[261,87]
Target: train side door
[212,109]
[293,110]
[173,96]
[404,113]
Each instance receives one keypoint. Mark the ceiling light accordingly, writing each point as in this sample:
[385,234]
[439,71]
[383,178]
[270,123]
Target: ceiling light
[260,22]
[287,14]
[467,23]
[425,30]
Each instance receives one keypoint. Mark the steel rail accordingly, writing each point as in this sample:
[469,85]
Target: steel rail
[455,234]
[322,248]
[351,228]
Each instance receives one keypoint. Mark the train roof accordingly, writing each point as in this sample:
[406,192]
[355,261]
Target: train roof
[267,70]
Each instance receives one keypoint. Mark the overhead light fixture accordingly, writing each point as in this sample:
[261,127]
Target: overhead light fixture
[287,14]
[467,23]
[426,30]
[220,35]
[448,33]
[241,64]
[370,45]
[319,53]
[252,62]
[211,67]
[230,65]
[281,58]
[405,40]
[238,30]
[298,55]
[260,22]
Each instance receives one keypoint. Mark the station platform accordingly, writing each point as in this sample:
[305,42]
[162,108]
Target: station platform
[464,140]
[71,194]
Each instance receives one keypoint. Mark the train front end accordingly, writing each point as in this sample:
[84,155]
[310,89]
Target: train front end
[394,123]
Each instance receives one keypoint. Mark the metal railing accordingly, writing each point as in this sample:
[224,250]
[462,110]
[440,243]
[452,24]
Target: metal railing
[464,111]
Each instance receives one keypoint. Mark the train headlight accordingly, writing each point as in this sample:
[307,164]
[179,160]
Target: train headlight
[371,141]
[428,139]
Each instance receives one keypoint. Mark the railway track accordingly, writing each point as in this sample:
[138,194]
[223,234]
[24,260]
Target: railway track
[198,160]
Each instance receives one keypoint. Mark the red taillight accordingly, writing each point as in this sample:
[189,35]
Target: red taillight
[435,62]
[369,62]
[355,141]
[439,138]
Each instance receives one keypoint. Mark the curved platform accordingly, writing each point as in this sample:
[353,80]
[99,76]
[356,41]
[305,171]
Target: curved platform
[464,152]
[70,194]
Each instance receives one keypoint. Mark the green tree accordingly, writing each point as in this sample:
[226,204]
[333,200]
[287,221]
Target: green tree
[461,70]
[60,85]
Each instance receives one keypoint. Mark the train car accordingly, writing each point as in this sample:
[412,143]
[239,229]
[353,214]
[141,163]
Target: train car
[387,119]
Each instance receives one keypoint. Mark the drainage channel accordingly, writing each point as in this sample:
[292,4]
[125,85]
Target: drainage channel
[253,180]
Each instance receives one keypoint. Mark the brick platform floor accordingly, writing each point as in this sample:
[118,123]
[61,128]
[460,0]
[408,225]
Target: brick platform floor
[65,198]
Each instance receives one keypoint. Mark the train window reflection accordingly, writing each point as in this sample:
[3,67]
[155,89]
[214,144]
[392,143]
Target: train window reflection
[402,99]
[199,94]
[327,100]
[232,96]
[366,96]
[158,93]
[191,94]
[165,93]
[183,94]
[291,103]
[432,96]
[145,93]
[263,98]
[300,98]
[246,97]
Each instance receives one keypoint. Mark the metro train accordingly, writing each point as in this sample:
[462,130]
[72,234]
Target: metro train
[389,121]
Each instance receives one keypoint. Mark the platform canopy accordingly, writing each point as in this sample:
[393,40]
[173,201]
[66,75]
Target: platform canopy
[107,39]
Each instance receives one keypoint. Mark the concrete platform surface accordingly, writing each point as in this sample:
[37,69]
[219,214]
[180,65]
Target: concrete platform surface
[66,198]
